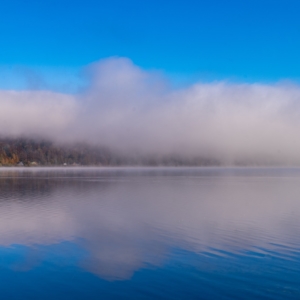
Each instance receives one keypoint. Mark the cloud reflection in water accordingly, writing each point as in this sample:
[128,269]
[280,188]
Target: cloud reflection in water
[128,219]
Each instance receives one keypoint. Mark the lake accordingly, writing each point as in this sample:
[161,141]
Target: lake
[150,233]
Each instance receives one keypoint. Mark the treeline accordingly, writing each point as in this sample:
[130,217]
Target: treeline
[33,152]
[30,152]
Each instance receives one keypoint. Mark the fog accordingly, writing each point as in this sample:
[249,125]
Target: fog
[139,112]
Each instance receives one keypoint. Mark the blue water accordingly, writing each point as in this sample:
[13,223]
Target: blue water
[150,233]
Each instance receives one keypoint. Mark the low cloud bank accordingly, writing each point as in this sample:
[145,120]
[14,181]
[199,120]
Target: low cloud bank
[136,112]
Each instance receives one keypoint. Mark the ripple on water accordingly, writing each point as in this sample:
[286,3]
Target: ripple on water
[163,233]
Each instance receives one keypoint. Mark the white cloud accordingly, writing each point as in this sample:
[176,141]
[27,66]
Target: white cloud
[36,113]
[133,110]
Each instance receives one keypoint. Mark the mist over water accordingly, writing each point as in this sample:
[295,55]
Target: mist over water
[114,231]
[138,112]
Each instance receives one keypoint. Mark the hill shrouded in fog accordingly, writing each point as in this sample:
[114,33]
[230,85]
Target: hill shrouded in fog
[33,152]
[142,119]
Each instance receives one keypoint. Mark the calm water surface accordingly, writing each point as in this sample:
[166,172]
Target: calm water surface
[142,233]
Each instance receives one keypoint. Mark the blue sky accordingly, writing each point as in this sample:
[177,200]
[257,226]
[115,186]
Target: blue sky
[93,70]
[246,41]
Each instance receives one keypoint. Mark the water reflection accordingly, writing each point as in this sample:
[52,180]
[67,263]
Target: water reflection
[114,222]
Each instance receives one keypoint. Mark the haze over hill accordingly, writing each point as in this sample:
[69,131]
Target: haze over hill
[137,113]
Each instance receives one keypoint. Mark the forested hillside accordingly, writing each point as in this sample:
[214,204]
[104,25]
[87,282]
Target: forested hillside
[33,152]
[29,152]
